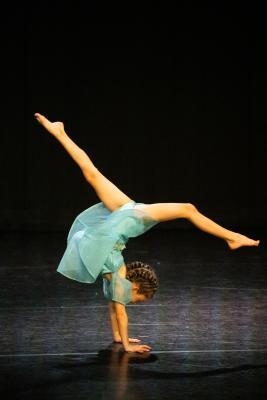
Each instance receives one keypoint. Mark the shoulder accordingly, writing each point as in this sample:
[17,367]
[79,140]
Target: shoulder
[121,289]
[122,271]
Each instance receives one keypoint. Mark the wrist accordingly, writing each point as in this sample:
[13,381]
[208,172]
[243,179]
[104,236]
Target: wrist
[126,345]
[117,338]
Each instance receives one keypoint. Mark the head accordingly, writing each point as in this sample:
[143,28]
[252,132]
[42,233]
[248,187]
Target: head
[144,281]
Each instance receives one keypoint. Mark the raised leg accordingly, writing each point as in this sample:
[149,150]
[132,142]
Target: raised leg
[170,211]
[107,192]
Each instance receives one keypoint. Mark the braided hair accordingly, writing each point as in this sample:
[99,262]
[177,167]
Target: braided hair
[144,275]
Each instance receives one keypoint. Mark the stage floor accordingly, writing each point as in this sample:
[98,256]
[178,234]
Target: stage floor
[207,325]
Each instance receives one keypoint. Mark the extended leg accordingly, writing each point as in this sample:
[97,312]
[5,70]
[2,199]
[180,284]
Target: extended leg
[170,211]
[107,192]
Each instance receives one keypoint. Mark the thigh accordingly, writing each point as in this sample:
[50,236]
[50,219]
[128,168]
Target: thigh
[165,211]
[108,193]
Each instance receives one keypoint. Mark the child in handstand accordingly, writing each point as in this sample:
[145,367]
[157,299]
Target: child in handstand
[99,234]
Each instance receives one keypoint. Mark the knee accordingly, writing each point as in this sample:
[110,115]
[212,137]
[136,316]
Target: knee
[190,208]
[91,174]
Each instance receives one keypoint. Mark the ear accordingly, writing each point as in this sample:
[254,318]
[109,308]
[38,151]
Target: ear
[135,286]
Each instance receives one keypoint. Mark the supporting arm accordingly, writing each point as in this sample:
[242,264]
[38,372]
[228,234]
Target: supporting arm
[114,322]
[122,322]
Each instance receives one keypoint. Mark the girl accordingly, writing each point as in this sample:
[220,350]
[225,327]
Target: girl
[98,236]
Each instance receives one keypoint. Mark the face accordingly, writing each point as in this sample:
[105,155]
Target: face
[137,297]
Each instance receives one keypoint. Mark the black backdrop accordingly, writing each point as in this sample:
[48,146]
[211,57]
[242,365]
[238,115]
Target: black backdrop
[168,102]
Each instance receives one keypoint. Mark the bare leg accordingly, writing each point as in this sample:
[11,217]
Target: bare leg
[170,211]
[113,198]
[107,192]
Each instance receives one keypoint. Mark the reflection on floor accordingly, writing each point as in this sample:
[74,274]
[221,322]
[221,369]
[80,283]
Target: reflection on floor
[207,325]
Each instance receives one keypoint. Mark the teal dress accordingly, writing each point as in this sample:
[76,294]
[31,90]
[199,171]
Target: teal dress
[95,243]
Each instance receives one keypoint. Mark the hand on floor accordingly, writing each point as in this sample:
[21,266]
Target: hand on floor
[131,340]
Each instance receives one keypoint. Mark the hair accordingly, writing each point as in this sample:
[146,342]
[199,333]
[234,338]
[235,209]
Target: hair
[144,275]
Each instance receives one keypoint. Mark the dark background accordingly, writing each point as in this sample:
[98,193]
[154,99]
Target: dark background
[168,101]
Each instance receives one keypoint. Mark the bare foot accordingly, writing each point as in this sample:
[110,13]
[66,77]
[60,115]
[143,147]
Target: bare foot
[55,128]
[240,241]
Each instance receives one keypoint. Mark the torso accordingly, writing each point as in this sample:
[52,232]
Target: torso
[122,269]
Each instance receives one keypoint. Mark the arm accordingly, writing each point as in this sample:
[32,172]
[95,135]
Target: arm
[114,323]
[122,324]
[113,306]
[115,327]
[122,321]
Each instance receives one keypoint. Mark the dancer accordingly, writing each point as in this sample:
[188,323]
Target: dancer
[99,234]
